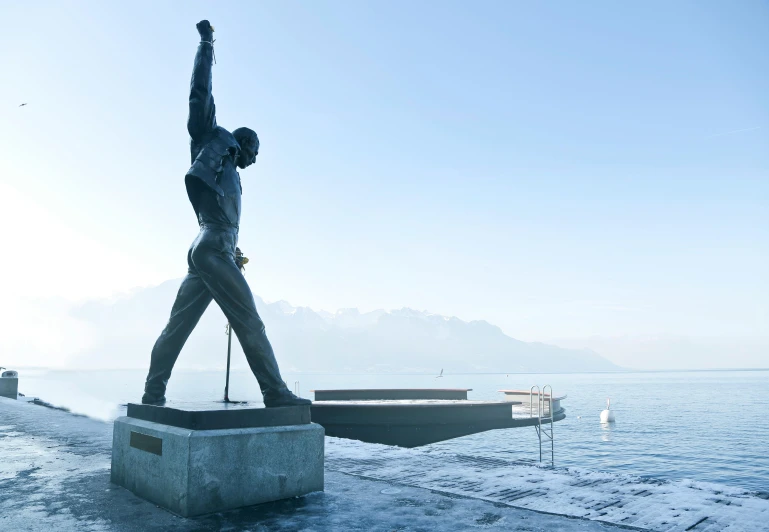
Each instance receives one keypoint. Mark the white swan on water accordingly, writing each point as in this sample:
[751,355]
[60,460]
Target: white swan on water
[607,416]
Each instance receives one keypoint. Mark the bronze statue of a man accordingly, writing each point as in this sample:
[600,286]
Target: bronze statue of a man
[213,187]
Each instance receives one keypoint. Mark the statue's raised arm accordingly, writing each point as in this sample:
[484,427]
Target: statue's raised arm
[202,119]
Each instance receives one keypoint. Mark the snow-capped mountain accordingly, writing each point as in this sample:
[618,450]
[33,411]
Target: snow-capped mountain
[404,340]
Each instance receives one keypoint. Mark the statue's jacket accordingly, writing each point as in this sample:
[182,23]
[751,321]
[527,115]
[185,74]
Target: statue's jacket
[213,149]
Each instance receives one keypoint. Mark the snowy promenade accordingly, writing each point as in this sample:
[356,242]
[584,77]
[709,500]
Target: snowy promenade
[54,475]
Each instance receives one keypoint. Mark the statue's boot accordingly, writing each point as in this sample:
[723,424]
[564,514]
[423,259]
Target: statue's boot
[283,398]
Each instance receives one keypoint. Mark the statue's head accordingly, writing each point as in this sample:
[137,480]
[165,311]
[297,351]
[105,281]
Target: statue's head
[249,146]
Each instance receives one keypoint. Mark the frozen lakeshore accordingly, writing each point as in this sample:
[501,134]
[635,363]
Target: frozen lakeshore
[54,474]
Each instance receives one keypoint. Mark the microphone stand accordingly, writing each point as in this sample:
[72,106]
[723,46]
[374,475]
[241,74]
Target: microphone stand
[241,261]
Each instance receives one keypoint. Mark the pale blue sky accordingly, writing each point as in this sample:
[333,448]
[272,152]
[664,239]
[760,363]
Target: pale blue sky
[563,170]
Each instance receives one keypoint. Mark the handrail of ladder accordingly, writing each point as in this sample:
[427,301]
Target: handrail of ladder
[531,401]
[552,415]
[547,399]
[543,399]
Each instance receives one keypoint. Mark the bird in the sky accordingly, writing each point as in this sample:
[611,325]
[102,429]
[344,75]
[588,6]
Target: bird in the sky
[22,105]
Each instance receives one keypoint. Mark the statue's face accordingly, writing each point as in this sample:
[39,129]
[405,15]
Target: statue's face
[248,152]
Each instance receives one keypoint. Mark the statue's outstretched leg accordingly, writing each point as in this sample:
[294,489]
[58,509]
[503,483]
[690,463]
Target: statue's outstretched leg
[213,258]
[191,301]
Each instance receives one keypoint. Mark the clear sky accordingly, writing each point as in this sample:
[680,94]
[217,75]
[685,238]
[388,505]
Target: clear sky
[574,172]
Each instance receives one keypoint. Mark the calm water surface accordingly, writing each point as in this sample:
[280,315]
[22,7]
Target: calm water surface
[707,426]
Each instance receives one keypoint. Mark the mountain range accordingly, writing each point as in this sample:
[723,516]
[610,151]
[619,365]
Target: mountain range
[397,341]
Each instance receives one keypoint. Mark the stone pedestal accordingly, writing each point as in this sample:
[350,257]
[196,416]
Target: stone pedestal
[198,459]
[9,386]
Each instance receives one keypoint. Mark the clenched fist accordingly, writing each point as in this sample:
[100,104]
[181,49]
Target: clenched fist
[205,29]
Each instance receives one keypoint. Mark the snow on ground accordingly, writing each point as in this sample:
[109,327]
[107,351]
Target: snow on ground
[54,475]
[603,497]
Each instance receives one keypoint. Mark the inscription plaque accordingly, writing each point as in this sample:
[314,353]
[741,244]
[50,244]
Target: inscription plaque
[145,442]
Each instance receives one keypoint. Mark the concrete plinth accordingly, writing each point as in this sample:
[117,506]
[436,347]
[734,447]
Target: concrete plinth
[194,472]
[9,387]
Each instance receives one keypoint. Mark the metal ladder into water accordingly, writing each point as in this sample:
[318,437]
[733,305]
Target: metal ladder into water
[544,417]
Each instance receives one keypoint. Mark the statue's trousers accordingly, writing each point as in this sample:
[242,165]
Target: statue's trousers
[213,274]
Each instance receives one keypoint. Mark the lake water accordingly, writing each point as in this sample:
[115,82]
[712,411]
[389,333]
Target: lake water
[705,426]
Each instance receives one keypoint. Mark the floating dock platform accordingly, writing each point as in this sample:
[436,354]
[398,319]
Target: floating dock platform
[415,417]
